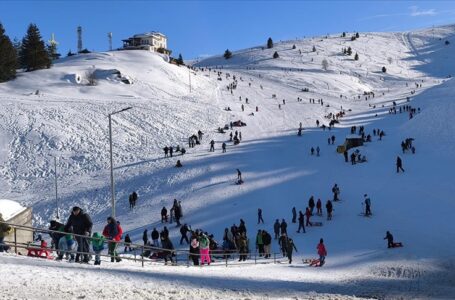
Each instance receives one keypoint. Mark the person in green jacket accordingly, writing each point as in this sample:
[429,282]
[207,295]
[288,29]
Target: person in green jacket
[260,243]
[98,246]
[4,231]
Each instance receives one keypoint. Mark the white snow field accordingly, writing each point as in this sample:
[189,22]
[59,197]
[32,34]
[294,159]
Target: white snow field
[68,119]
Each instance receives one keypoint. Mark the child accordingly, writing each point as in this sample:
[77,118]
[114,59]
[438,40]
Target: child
[98,246]
[67,244]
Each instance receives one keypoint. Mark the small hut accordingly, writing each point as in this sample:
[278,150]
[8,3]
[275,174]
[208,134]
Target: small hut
[351,141]
[16,214]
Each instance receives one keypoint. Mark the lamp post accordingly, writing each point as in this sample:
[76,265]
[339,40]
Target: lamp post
[112,165]
[56,187]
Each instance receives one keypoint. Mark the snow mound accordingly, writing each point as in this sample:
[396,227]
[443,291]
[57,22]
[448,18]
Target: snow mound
[9,208]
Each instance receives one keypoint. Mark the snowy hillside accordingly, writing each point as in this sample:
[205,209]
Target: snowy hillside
[68,119]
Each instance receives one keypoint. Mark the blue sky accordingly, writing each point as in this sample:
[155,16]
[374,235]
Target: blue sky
[197,28]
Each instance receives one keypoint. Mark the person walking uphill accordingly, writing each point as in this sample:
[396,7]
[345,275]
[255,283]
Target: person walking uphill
[276,228]
[290,249]
[113,233]
[322,252]
[82,225]
[301,222]
[389,238]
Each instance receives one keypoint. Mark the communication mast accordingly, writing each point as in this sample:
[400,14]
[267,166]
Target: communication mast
[79,39]
[109,36]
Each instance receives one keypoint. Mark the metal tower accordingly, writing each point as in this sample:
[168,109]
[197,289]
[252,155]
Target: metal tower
[109,36]
[79,39]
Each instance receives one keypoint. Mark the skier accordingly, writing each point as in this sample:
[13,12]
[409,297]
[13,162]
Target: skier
[239,177]
[134,198]
[322,252]
[399,165]
[283,227]
[276,228]
[389,238]
[212,146]
[301,222]
[290,248]
[367,205]
[294,215]
[329,208]
[223,146]
[319,207]
[166,150]
[260,216]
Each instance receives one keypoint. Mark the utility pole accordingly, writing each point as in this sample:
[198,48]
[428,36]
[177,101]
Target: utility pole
[111,159]
[56,186]
[189,77]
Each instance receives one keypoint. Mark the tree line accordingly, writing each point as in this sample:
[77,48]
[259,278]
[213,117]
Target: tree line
[30,54]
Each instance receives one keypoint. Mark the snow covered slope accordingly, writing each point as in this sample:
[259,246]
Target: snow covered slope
[68,119]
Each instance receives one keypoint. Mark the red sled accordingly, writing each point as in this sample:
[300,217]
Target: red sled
[312,262]
[397,245]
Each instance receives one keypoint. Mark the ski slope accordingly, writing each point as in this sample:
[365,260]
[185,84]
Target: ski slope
[68,119]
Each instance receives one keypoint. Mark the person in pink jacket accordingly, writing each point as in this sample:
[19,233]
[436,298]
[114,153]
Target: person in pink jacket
[322,252]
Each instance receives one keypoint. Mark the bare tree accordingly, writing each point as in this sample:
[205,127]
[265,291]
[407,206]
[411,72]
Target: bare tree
[325,64]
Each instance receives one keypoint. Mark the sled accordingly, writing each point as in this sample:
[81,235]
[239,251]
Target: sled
[309,260]
[397,245]
[316,223]
[239,182]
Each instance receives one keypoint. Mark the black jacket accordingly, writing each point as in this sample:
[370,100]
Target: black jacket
[81,223]
[266,238]
[155,235]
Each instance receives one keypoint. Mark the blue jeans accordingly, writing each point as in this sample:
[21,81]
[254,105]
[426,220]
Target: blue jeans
[321,259]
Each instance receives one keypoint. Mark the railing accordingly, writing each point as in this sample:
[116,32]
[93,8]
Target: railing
[184,257]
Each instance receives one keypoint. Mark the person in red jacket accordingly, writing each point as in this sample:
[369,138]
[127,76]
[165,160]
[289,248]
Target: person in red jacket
[308,215]
[322,252]
[319,207]
[113,232]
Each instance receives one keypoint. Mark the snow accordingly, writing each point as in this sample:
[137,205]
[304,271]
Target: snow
[9,208]
[68,119]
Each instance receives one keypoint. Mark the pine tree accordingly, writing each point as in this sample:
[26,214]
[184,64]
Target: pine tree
[384,70]
[357,35]
[293,46]
[8,57]
[356,57]
[344,34]
[269,43]
[275,55]
[227,54]
[17,44]
[52,50]
[33,52]
[180,60]
[314,49]
[349,51]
